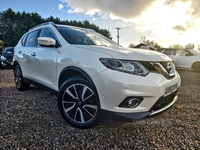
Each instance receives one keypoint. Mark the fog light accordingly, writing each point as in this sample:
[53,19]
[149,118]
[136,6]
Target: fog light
[133,102]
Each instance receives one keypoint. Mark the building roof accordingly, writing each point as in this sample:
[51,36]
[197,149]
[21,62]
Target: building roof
[144,46]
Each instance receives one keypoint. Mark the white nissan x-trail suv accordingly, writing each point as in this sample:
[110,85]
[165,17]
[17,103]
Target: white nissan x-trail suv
[90,73]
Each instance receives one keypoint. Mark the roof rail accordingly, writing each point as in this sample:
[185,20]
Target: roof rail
[46,23]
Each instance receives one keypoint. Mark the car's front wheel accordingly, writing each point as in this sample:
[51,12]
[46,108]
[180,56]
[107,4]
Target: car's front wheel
[196,66]
[0,63]
[19,81]
[78,103]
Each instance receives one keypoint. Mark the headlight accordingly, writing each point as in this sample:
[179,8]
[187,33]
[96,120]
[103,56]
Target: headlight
[3,58]
[132,67]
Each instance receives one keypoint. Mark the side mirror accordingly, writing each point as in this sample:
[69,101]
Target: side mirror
[46,41]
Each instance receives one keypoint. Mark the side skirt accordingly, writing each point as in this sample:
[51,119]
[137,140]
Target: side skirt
[42,86]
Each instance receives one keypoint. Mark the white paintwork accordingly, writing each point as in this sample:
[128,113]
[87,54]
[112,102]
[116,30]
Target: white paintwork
[185,61]
[46,41]
[112,86]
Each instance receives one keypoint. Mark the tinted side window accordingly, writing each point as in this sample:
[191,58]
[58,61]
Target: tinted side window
[31,39]
[181,52]
[47,33]
[23,41]
[169,52]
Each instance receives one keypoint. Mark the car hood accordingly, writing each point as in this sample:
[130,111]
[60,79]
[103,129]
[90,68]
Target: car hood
[128,53]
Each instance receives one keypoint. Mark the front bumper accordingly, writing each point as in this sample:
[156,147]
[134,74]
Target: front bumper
[6,63]
[161,105]
[113,87]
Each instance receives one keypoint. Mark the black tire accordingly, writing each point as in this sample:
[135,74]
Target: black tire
[0,64]
[196,67]
[19,81]
[78,103]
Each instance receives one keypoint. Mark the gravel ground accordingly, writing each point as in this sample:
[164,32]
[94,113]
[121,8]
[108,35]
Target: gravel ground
[30,120]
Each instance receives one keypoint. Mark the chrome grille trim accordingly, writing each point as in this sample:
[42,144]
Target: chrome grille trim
[167,69]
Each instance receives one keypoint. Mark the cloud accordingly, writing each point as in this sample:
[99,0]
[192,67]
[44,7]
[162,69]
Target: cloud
[60,6]
[160,20]
[194,6]
[129,10]
[192,11]
[125,9]
[180,15]
[179,28]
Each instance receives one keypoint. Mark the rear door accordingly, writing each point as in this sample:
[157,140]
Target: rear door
[26,54]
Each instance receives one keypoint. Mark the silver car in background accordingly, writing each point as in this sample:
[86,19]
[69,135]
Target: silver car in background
[183,58]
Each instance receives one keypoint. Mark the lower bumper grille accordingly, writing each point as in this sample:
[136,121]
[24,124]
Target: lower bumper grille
[163,101]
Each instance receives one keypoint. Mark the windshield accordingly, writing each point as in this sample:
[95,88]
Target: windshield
[85,37]
[195,52]
[8,50]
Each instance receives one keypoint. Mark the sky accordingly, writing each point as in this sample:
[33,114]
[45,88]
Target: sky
[166,22]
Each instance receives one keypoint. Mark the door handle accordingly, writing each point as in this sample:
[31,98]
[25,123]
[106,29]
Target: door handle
[33,54]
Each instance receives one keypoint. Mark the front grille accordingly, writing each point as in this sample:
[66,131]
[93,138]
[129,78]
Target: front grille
[165,65]
[167,69]
[163,101]
[148,66]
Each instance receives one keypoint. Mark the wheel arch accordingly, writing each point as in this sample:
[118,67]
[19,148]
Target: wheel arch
[15,63]
[196,62]
[71,72]
[71,76]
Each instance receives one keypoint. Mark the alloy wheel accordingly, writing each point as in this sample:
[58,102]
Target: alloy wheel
[18,79]
[78,103]
[196,67]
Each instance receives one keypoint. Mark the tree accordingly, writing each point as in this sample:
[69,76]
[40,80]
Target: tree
[150,43]
[1,43]
[131,45]
[176,46]
[14,24]
[190,46]
[8,23]
[52,19]
[1,46]
[87,24]
[198,47]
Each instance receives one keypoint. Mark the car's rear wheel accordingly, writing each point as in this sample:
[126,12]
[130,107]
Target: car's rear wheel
[19,81]
[78,103]
[196,66]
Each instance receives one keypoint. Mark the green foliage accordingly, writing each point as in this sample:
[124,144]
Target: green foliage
[131,45]
[150,43]
[198,47]
[1,43]
[176,46]
[14,24]
[190,45]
